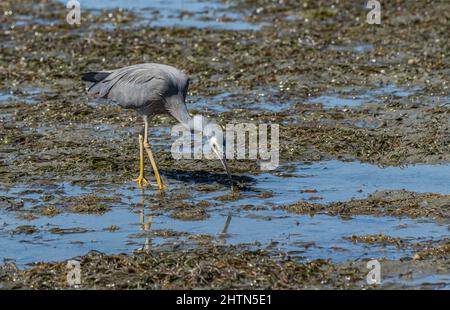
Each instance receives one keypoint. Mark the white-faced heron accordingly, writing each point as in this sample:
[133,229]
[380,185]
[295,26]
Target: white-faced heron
[150,89]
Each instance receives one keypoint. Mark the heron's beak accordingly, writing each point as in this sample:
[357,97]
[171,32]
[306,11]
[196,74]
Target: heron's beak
[221,155]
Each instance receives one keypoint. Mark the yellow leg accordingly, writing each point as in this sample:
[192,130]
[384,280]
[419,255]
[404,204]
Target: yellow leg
[150,156]
[141,179]
[154,166]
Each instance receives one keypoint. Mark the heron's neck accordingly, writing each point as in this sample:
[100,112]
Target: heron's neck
[180,113]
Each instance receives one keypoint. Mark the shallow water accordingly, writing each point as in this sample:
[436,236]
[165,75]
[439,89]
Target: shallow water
[28,95]
[340,181]
[436,281]
[358,97]
[177,13]
[7,97]
[357,48]
[269,101]
[257,101]
[306,237]
[303,236]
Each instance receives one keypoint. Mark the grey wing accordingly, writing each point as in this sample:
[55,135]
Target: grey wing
[132,87]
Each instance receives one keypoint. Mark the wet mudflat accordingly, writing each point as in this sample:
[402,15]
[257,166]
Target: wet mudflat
[364,138]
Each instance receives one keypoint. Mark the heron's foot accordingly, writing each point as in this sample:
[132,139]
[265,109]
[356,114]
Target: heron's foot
[161,186]
[141,181]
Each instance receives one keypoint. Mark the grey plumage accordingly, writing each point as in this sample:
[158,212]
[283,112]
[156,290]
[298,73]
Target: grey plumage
[149,89]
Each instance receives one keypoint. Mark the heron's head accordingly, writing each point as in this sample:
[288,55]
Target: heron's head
[215,136]
[219,150]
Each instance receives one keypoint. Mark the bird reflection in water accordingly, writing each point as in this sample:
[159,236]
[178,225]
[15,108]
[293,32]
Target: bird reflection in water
[145,223]
[224,233]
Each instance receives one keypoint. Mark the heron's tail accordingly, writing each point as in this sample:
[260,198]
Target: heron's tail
[94,76]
